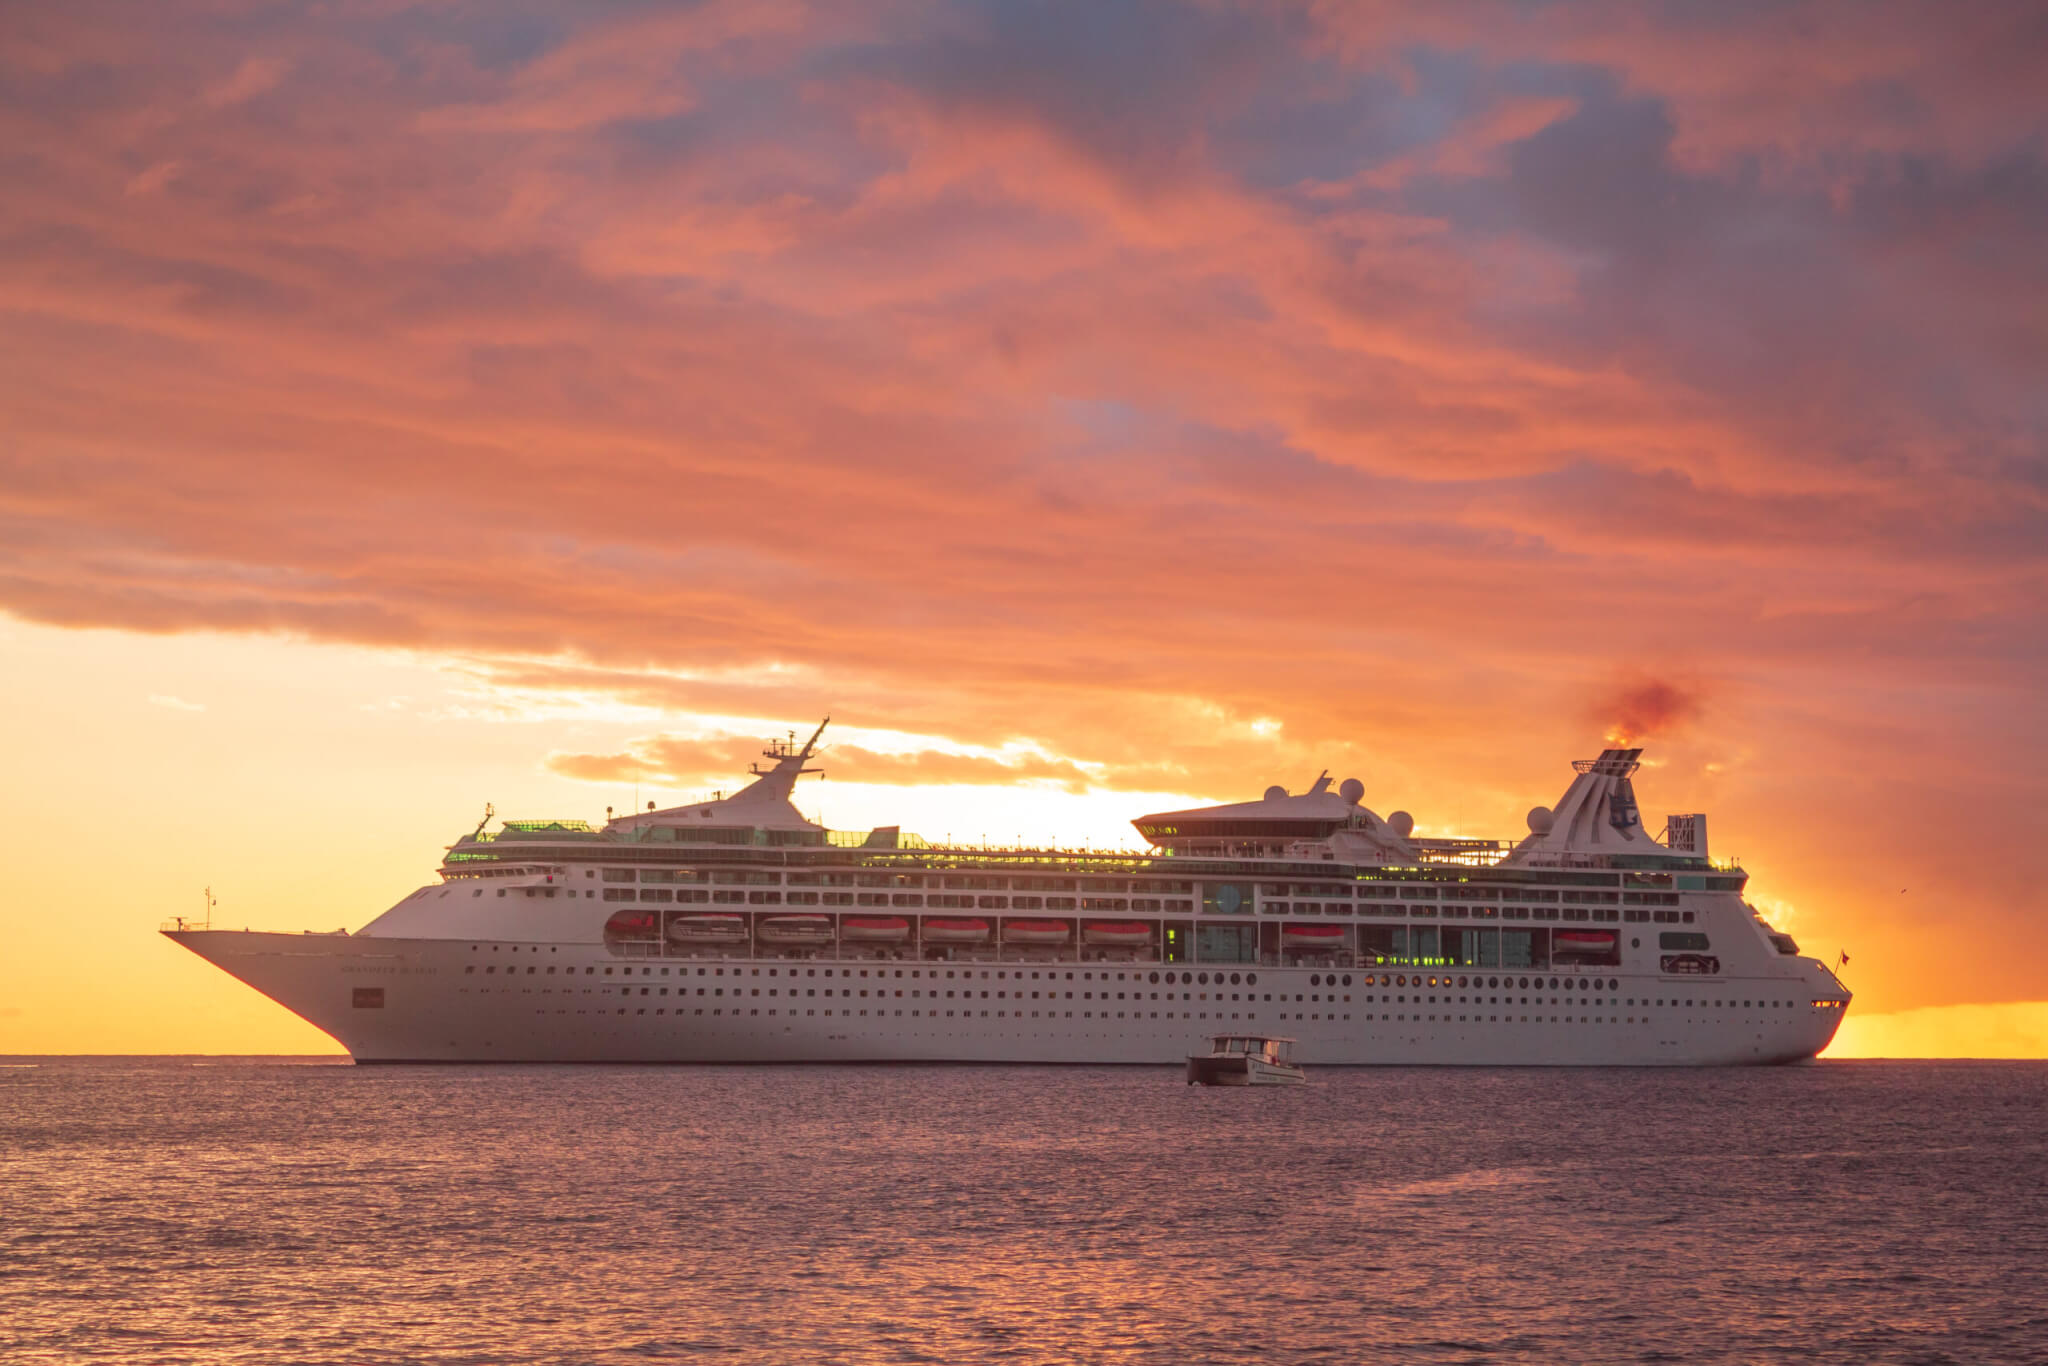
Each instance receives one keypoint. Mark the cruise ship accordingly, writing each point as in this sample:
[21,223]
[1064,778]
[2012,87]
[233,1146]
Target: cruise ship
[735,930]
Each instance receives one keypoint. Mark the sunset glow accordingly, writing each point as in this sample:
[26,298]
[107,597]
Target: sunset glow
[1095,410]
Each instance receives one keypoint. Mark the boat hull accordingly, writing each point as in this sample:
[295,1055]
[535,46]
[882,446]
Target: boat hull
[1240,1070]
[389,999]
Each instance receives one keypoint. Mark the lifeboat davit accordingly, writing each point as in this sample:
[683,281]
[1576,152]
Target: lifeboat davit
[942,931]
[633,925]
[707,929]
[874,929]
[1036,932]
[795,929]
[1112,932]
[1312,936]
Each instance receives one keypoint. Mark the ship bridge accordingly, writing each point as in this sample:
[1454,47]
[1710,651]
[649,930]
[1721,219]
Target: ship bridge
[1270,826]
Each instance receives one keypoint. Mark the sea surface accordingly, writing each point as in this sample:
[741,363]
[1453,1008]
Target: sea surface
[279,1211]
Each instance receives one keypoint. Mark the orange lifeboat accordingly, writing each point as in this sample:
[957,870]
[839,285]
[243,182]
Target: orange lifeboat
[633,925]
[1582,941]
[938,930]
[874,929]
[707,929]
[1116,932]
[1036,932]
[1312,936]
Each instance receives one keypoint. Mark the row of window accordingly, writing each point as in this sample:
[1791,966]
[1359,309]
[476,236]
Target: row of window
[964,882]
[1139,905]
[1674,1003]
[1320,891]
[933,1014]
[1169,977]
[918,994]
[1398,911]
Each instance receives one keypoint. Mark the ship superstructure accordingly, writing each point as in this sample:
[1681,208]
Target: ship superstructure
[736,930]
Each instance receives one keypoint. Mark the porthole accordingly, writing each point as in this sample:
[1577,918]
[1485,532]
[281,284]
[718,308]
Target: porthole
[1347,979]
[1155,978]
[1251,979]
[1635,943]
[1401,981]
[1233,979]
[1553,984]
[1315,979]
[1203,978]
[1493,984]
[1461,981]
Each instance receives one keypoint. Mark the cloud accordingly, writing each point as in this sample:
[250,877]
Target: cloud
[1083,381]
[175,703]
[724,761]
[253,77]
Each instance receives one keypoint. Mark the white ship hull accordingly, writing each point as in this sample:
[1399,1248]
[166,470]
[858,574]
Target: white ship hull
[737,931]
[427,1000]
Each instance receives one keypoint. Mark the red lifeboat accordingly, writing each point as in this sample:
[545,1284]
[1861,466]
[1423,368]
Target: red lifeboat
[633,925]
[1036,931]
[939,930]
[874,929]
[1583,941]
[1116,932]
[1312,936]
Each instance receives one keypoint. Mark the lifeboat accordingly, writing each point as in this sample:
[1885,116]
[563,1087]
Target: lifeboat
[874,929]
[795,929]
[633,925]
[1036,932]
[938,930]
[1583,941]
[1311,936]
[707,929]
[1111,932]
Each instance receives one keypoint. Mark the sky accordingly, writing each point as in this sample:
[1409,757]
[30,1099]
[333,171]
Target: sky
[1095,409]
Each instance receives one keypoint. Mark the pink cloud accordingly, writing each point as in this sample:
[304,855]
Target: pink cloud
[1399,376]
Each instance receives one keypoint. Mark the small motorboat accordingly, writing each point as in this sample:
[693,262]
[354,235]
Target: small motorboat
[1114,933]
[874,929]
[1035,932]
[795,929]
[939,930]
[707,929]
[1245,1060]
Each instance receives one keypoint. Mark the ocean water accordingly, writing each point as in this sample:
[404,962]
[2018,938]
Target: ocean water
[272,1211]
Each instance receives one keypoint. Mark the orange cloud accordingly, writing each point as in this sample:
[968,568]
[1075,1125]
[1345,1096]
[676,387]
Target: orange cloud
[1199,395]
[705,763]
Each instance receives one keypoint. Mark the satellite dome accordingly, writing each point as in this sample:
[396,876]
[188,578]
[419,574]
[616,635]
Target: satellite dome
[1401,823]
[1351,790]
[1275,792]
[1540,820]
